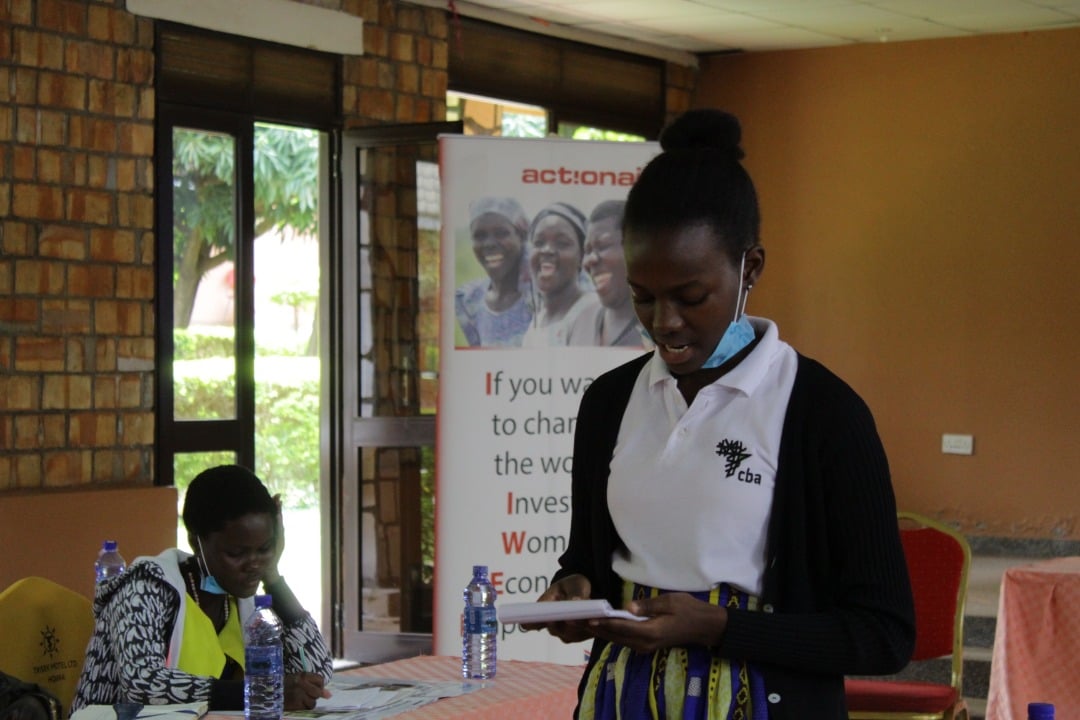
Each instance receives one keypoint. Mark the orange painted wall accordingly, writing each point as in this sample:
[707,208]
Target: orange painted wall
[921,216]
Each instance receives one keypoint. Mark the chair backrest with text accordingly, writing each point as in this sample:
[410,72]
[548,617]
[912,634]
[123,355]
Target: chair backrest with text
[44,630]
[938,559]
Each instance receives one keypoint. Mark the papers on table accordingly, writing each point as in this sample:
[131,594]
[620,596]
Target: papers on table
[189,711]
[358,698]
[543,612]
[181,711]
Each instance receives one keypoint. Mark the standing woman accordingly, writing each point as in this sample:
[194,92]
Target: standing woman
[726,488]
[170,629]
[556,248]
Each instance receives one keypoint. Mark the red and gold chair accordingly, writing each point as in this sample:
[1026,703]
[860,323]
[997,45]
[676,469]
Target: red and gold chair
[938,559]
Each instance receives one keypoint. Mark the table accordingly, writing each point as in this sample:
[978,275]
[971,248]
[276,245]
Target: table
[1037,643]
[520,690]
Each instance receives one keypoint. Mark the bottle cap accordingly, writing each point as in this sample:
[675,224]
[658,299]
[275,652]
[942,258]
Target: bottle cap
[263,601]
[479,569]
[109,546]
[1040,711]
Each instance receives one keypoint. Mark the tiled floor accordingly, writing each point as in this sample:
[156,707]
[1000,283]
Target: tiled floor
[984,582]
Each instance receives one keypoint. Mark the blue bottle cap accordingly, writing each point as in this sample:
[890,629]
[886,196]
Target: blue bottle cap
[479,569]
[109,546]
[263,601]
[1040,711]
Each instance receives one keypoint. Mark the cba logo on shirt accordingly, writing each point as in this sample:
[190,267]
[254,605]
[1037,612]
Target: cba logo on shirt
[734,452]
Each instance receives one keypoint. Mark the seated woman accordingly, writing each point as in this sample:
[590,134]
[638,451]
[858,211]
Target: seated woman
[170,629]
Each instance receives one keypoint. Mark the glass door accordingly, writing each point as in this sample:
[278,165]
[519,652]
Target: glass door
[388,379]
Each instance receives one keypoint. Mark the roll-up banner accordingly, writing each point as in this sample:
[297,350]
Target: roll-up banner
[533,306]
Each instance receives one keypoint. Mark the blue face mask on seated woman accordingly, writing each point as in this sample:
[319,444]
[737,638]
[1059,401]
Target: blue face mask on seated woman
[208,583]
[739,333]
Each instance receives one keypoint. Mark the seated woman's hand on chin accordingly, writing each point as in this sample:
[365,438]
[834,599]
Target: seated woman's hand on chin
[270,573]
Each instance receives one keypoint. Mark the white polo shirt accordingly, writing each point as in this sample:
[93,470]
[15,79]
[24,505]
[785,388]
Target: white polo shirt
[691,488]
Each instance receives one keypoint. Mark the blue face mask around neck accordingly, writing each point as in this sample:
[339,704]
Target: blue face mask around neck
[739,333]
[208,583]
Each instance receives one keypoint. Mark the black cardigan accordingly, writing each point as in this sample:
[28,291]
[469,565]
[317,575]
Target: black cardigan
[836,596]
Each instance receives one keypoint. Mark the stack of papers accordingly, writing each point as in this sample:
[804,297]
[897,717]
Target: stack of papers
[352,699]
[377,698]
[182,711]
[545,612]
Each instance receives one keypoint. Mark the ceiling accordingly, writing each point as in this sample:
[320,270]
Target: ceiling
[679,29]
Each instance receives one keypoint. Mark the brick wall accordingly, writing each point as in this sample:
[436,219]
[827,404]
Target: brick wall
[76,244]
[76,235]
[402,75]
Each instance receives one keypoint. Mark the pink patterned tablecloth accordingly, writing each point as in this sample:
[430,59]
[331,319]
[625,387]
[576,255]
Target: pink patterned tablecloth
[520,690]
[1037,645]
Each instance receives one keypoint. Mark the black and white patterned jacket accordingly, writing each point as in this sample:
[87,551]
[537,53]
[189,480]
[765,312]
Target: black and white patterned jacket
[128,657]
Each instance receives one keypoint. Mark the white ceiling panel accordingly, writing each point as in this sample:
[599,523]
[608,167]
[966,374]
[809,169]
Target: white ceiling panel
[637,10]
[1006,20]
[860,23]
[563,15]
[730,25]
[780,38]
[657,37]
[686,27]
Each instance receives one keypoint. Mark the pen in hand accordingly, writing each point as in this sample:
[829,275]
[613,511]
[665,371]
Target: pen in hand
[307,669]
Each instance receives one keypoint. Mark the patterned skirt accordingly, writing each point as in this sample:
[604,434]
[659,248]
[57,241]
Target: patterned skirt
[688,683]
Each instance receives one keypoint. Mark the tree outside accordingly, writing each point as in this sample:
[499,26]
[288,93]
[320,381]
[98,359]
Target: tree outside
[286,168]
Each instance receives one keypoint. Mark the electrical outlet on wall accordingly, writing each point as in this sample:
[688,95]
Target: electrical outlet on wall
[952,444]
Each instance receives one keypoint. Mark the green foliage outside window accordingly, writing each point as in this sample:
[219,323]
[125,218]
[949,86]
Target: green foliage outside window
[286,420]
[286,175]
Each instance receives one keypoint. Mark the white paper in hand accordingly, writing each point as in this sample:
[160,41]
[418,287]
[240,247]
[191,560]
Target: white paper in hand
[545,612]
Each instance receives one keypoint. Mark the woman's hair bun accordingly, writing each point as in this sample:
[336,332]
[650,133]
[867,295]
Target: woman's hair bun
[704,129]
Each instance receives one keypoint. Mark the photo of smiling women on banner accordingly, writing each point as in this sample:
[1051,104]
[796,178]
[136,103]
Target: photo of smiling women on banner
[614,322]
[495,310]
[556,247]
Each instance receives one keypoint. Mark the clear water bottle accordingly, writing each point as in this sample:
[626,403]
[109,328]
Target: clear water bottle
[1040,711]
[264,668]
[109,563]
[481,627]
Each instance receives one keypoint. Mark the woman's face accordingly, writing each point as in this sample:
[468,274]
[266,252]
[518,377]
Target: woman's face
[685,288]
[555,260]
[238,554]
[496,245]
[604,262]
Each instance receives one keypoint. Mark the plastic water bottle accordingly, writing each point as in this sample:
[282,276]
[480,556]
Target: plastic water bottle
[481,627]
[264,669]
[109,562]
[1040,711]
